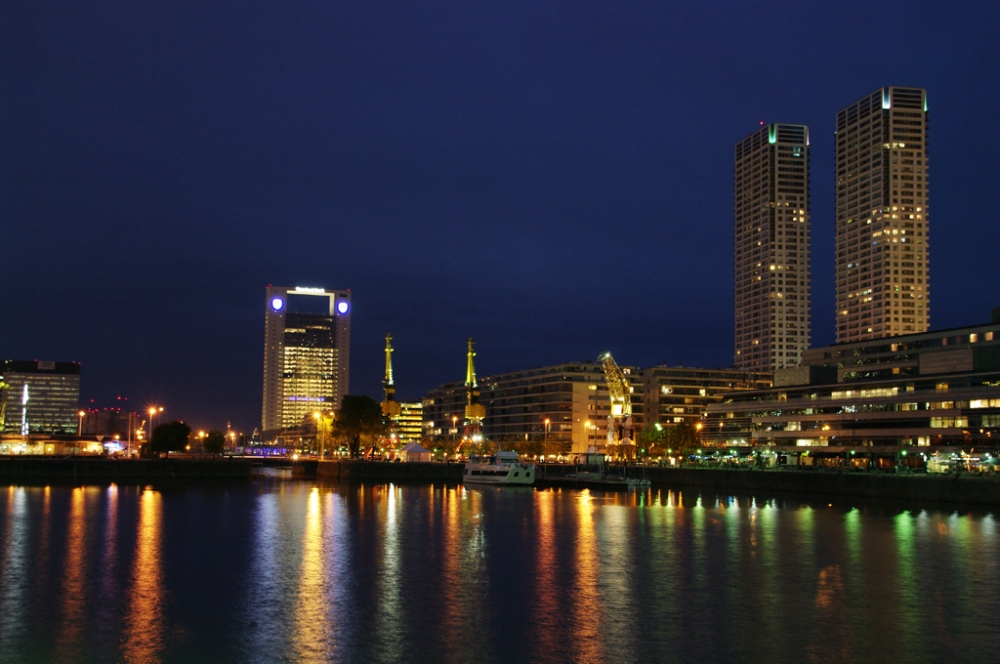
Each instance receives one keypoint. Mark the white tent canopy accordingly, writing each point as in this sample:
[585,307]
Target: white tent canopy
[415,452]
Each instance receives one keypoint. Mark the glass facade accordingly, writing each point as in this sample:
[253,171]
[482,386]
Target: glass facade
[41,397]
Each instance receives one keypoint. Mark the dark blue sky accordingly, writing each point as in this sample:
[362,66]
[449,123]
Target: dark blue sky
[553,179]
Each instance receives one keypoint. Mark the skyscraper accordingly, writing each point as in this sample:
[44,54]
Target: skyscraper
[771,281]
[883,275]
[307,343]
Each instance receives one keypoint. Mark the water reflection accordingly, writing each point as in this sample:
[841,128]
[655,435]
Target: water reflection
[382,573]
[73,588]
[14,565]
[586,638]
[310,634]
[389,609]
[143,626]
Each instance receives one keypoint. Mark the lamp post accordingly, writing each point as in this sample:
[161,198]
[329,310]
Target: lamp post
[547,422]
[586,435]
[153,410]
[79,429]
[454,427]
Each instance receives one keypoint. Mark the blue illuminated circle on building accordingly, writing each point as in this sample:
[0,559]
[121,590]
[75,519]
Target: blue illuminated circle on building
[277,303]
[342,306]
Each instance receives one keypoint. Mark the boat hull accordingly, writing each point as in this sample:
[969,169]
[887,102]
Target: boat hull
[497,475]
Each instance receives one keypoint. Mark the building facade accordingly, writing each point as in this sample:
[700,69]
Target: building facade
[40,397]
[409,422]
[675,395]
[934,388]
[307,343]
[772,238]
[567,404]
[882,268]
[111,422]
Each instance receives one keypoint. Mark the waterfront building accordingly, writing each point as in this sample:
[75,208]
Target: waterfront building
[307,343]
[882,268]
[771,235]
[111,422]
[566,404]
[39,397]
[679,394]
[933,388]
[409,422]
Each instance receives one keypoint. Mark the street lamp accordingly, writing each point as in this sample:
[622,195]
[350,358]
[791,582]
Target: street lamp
[153,410]
[547,422]
[454,427]
[79,430]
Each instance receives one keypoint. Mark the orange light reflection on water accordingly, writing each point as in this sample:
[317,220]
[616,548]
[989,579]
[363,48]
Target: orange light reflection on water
[310,626]
[586,639]
[143,632]
[548,641]
[74,580]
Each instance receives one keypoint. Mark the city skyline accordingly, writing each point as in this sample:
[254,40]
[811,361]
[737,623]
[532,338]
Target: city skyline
[552,185]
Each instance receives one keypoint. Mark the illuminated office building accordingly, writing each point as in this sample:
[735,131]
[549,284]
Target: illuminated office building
[39,397]
[307,341]
[771,280]
[883,274]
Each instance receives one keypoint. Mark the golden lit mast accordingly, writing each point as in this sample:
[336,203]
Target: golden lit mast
[475,412]
[390,407]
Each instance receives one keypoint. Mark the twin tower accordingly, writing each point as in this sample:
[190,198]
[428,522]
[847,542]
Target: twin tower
[882,271]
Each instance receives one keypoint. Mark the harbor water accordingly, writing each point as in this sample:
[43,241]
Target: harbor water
[300,571]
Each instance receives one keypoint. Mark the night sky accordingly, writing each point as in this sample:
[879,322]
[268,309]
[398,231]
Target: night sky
[551,178]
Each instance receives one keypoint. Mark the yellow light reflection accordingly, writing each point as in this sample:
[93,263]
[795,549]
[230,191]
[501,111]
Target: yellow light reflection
[74,580]
[587,638]
[144,623]
[311,623]
[547,638]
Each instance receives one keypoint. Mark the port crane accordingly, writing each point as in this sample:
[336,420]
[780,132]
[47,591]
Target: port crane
[621,426]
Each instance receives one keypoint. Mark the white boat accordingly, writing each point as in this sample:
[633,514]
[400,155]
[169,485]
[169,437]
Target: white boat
[501,468]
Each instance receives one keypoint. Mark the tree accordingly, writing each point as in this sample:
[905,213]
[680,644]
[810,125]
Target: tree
[683,438]
[360,418]
[215,442]
[170,437]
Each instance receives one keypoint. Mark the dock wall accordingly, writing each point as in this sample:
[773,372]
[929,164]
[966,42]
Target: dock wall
[962,488]
[78,469]
[380,471]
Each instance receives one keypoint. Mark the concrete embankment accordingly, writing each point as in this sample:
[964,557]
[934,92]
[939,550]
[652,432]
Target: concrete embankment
[78,469]
[380,471]
[963,488]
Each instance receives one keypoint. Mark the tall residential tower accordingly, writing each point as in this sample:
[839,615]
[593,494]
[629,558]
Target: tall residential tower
[307,344]
[883,274]
[771,281]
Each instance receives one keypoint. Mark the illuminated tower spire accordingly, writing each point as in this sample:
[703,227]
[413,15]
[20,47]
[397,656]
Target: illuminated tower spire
[390,407]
